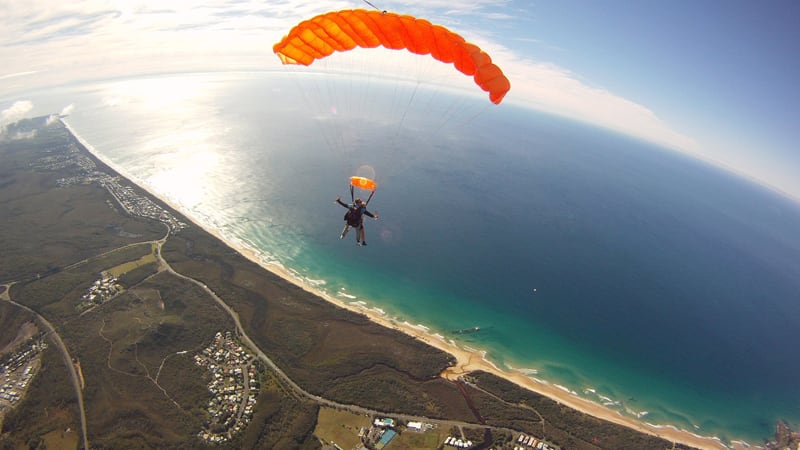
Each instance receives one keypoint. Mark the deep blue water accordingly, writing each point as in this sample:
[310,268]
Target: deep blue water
[666,286]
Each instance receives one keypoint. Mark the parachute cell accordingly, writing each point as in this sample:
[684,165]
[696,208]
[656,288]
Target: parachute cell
[345,30]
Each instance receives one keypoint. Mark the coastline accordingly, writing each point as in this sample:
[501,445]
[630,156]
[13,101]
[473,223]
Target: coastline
[470,360]
[467,360]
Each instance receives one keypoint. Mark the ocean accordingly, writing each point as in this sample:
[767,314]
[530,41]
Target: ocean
[628,274]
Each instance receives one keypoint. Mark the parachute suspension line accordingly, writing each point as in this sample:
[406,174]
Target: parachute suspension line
[321,97]
[451,116]
[309,103]
[369,198]
[391,31]
[405,112]
[327,130]
[468,121]
[352,196]
[376,8]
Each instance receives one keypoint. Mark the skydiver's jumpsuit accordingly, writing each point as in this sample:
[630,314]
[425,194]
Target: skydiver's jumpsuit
[355,220]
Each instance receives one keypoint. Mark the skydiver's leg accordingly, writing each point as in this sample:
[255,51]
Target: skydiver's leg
[362,234]
[344,232]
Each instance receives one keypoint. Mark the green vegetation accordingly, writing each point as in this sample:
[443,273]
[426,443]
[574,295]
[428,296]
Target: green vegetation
[341,427]
[560,425]
[128,266]
[46,227]
[48,406]
[12,319]
[57,295]
[140,390]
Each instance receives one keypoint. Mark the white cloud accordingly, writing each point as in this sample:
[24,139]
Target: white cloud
[21,135]
[47,43]
[15,75]
[68,109]
[15,112]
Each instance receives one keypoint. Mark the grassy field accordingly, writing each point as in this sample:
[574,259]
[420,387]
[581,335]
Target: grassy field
[340,427]
[61,440]
[150,258]
[413,440]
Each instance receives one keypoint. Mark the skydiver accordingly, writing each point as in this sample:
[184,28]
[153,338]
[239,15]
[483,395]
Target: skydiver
[355,218]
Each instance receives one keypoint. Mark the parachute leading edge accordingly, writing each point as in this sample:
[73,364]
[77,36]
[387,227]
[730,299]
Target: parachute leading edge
[345,30]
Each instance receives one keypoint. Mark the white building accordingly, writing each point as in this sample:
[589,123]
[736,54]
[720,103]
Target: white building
[415,426]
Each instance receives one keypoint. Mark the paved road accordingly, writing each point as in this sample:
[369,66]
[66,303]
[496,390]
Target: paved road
[5,294]
[76,384]
[288,381]
[283,378]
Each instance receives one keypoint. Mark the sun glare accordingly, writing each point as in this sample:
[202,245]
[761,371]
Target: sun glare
[158,93]
[186,184]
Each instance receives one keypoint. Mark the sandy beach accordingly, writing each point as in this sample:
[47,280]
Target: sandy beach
[466,360]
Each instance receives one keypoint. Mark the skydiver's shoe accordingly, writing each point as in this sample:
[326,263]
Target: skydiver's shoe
[341,236]
[364,243]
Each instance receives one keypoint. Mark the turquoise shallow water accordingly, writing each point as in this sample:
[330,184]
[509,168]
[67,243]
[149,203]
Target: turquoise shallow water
[636,277]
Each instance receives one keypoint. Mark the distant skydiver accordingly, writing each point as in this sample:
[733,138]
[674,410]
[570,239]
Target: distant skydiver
[355,218]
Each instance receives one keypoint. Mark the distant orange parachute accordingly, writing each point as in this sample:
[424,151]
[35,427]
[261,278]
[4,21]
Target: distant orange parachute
[363,183]
[345,30]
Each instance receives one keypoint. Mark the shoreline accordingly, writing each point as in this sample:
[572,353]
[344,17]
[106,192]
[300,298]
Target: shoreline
[470,360]
[467,360]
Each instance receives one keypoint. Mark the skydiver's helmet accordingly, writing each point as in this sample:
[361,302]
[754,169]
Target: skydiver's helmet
[359,202]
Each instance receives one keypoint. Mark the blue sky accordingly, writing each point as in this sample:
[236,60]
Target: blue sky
[724,73]
[717,79]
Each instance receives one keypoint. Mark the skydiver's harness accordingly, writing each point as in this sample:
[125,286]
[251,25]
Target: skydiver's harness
[353,216]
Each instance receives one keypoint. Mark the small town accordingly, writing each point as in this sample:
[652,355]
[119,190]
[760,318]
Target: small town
[525,442]
[233,387]
[17,369]
[126,196]
[139,205]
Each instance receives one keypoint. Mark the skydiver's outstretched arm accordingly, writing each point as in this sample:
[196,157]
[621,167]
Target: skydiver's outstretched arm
[339,201]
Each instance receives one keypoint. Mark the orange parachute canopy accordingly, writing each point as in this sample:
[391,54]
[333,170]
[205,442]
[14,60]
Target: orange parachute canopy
[363,183]
[345,30]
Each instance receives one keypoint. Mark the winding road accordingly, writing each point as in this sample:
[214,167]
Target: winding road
[283,378]
[73,374]
[5,294]
[294,387]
